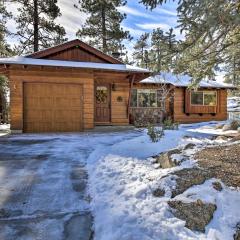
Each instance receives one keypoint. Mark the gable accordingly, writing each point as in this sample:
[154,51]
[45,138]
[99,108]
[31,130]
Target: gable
[75,50]
[75,54]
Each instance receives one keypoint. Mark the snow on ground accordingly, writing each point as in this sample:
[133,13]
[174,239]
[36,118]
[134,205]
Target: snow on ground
[233,104]
[121,181]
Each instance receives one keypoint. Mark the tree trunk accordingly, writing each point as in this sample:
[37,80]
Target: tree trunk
[35,27]
[104,33]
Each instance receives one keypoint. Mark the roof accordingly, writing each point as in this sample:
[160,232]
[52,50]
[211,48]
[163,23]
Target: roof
[18,60]
[181,80]
[74,43]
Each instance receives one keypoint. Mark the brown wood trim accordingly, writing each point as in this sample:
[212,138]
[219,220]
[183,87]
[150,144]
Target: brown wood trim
[110,101]
[130,95]
[82,102]
[73,43]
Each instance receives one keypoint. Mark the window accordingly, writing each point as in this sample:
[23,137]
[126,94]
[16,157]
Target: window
[204,98]
[146,98]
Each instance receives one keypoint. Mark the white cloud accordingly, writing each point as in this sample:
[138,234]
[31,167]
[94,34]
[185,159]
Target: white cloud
[134,12]
[72,19]
[165,11]
[151,26]
[133,31]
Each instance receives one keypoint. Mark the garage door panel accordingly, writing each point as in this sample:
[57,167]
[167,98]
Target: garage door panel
[50,107]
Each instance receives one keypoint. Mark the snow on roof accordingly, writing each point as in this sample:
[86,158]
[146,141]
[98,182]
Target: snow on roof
[181,80]
[59,63]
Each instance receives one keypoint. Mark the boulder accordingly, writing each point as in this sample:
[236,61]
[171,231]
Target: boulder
[189,146]
[226,127]
[217,186]
[219,126]
[159,192]
[189,177]
[196,214]
[236,138]
[221,138]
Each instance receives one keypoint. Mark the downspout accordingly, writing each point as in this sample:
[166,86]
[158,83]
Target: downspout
[130,95]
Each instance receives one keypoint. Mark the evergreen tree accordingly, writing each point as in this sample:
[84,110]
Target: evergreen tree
[141,48]
[212,30]
[103,26]
[35,25]
[5,49]
[163,47]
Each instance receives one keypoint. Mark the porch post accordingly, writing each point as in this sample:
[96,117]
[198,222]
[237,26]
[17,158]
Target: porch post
[130,95]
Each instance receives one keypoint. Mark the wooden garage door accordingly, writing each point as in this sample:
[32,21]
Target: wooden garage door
[51,107]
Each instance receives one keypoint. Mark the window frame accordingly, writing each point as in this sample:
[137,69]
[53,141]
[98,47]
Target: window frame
[144,89]
[203,103]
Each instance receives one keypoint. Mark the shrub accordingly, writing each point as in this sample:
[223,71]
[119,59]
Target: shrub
[169,124]
[155,133]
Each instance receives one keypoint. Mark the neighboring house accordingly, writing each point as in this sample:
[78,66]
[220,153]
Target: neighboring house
[206,103]
[74,87]
[67,88]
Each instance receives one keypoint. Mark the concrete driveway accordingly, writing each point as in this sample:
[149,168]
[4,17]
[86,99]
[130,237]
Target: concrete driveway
[43,185]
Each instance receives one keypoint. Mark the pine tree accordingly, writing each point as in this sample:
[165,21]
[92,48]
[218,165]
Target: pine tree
[141,54]
[103,26]
[5,49]
[163,47]
[35,25]
[212,30]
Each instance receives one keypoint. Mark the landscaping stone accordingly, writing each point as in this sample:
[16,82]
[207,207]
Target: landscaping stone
[189,146]
[237,233]
[165,160]
[217,186]
[219,126]
[189,177]
[226,127]
[196,214]
[221,138]
[158,192]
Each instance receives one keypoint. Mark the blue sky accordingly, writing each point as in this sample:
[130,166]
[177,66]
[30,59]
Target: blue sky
[138,21]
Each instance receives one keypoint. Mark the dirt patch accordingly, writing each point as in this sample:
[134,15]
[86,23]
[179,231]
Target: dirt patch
[223,162]
[189,177]
[196,214]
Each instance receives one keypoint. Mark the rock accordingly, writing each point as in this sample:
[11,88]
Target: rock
[217,186]
[189,146]
[158,192]
[226,127]
[189,177]
[165,160]
[219,126]
[234,125]
[221,138]
[236,138]
[236,236]
[196,214]
[238,129]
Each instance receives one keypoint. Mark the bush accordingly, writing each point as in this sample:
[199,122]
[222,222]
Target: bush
[235,125]
[170,125]
[155,133]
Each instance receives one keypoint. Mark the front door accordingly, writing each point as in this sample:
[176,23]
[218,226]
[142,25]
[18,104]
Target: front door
[102,103]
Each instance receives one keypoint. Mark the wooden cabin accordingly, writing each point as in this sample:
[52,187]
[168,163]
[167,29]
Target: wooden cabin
[74,87]
[207,102]
[68,88]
